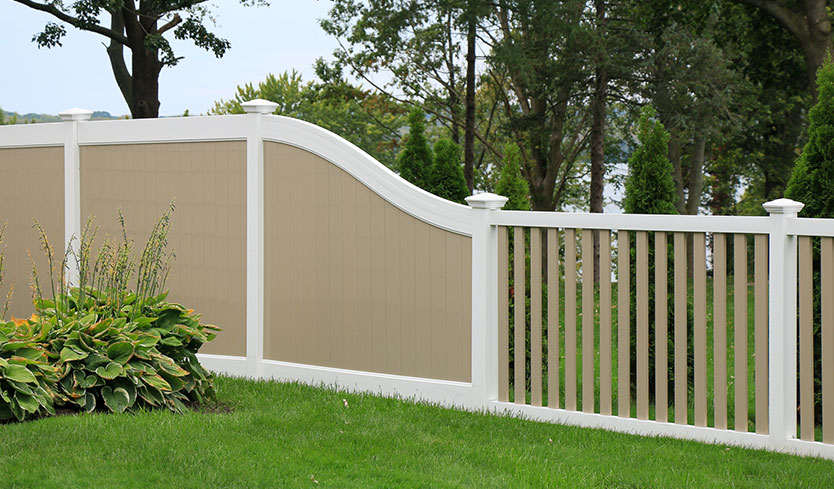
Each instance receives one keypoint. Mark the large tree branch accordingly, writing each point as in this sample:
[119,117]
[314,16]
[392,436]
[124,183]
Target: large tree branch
[74,21]
[115,51]
[788,18]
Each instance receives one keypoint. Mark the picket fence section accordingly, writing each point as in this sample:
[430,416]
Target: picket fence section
[721,375]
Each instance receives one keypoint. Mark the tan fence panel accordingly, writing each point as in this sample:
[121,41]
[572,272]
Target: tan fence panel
[827,346]
[208,182]
[605,372]
[503,316]
[681,392]
[520,319]
[719,315]
[535,317]
[661,341]
[588,349]
[699,299]
[623,321]
[552,318]
[740,330]
[353,282]
[31,187]
[642,325]
[760,331]
[806,340]
[570,319]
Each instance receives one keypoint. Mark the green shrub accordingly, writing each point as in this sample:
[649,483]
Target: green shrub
[104,346]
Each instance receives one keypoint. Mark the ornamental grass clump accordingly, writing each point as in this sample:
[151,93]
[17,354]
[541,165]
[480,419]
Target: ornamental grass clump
[109,344]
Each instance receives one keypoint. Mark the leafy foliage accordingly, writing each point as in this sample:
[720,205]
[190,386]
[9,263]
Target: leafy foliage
[812,181]
[365,118]
[446,177]
[104,345]
[649,188]
[510,182]
[415,160]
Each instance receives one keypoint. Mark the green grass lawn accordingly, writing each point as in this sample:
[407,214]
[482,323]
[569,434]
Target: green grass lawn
[289,435]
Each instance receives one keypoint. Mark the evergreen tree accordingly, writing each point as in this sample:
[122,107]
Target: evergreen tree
[510,182]
[446,177]
[812,181]
[649,188]
[415,160]
[2,117]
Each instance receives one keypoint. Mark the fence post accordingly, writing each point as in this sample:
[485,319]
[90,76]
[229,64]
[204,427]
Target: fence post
[782,323]
[255,110]
[484,298]
[72,182]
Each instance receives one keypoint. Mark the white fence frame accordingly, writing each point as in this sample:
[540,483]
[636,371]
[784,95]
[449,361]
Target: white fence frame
[480,221]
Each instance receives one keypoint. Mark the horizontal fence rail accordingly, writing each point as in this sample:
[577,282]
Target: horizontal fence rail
[712,328]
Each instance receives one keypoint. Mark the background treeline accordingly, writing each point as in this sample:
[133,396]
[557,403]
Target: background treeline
[564,81]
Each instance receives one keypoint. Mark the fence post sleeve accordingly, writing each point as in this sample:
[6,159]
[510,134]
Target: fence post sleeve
[484,298]
[782,323]
[255,110]
[72,182]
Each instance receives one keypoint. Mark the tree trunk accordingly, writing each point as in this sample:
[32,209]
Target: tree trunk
[469,136]
[598,133]
[145,85]
[696,176]
[677,175]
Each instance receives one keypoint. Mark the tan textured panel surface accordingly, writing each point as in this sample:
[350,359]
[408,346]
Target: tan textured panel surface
[31,186]
[760,333]
[588,355]
[681,392]
[208,181]
[552,318]
[827,347]
[570,319]
[642,265]
[353,282]
[661,340]
[503,316]
[519,319]
[720,329]
[740,330]
[605,373]
[623,328]
[806,340]
[535,317]
[699,299]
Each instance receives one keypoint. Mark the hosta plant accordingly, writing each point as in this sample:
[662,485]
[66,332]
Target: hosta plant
[107,344]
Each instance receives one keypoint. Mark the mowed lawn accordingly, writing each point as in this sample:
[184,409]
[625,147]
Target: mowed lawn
[290,435]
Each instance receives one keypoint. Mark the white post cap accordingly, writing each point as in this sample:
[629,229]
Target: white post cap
[259,106]
[75,115]
[783,206]
[486,201]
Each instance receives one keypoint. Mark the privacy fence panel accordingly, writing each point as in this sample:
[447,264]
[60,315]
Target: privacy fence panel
[207,182]
[353,282]
[31,187]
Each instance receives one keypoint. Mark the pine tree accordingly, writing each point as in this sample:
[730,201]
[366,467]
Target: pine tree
[510,182]
[649,188]
[415,161]
[812,181]
[446,176]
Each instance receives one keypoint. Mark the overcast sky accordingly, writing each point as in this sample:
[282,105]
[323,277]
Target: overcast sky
[264,40]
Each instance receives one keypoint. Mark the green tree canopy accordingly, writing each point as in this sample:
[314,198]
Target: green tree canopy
[812,182]
[365,118]
[446,177]
[649,187]
[141,28]
[510,182]
[415,160]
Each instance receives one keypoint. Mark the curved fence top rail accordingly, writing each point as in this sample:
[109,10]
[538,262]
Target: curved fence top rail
[309,137]
[376,176]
